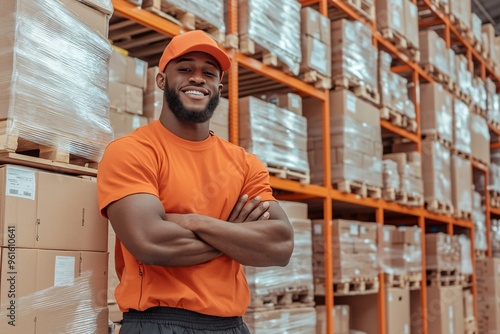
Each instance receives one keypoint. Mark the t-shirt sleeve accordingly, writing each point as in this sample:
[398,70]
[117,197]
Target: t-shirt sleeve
[257,180]
[126,168]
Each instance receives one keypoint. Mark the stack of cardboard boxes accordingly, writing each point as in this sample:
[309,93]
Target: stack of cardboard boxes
[409,172]
[340,319]
[463,77]
[353,55]
[479,219]
[54,266]
[283,282]
[488,294]
[433,52]
[479,95]
[401,17]
[442,252]
[276,135]
[127,81]
[402,253]
[354,250]
[356,143]
[495,237]
[316,39]
[480,139]
[461,11]
[274,26]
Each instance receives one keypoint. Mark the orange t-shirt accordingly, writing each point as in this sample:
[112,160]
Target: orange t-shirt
[207,178]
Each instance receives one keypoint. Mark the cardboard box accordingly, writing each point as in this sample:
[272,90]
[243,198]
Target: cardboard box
[461,183]
[390,15]
[310,23]
[480,139]
[411,23]
[153,96]
[436,172]
[316,55]
[117,67]
[436,111]
[124,123]
[91,17]
[397,310]
[136,73]
[298,320]
[445,309]
[49,211]
[433,51]
[289,101]
[340,315]
[53,291]
[294,210]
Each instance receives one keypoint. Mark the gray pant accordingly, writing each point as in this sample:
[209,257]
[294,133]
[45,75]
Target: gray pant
[167,320]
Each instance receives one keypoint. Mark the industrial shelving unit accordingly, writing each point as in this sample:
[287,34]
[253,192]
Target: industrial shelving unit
[332,199]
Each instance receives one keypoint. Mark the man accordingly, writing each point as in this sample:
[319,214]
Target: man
[189,209]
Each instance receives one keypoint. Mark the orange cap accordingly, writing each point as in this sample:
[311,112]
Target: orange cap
[195,40]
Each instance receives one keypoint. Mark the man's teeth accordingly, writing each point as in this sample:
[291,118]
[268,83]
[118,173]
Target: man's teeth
[194,92]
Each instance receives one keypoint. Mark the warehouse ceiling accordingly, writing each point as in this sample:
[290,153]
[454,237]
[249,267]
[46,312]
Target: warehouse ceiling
[488,11]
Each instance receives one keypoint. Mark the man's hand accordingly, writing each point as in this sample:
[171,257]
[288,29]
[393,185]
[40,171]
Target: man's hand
[252,210]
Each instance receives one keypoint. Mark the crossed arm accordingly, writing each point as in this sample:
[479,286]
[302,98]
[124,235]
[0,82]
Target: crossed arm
[256,234]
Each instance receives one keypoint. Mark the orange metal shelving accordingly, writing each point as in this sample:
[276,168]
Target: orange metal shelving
[325,192]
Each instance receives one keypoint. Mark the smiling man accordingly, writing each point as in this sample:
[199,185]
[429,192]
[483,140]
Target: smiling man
[188,208]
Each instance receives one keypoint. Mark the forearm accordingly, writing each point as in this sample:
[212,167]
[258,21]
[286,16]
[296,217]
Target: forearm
[258,243]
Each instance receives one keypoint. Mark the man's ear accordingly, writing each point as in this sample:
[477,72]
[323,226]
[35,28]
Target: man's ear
[160,80]
[220,89]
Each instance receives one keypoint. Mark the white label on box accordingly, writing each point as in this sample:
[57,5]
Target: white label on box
[20,183]
[351,103]
[357,271]
[407,329]
[136,122]
[362,230]
[318,229]
[387,235]
[390,297]
[318,56]
[353,229]
[295,99]
[498,269]
[64,274]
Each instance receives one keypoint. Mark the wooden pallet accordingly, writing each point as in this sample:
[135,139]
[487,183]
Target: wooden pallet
[16,149]
[494,199]
[441,6]
[354,286]
[439,207]
[252,48]
[393,116]
[480,254]
[494,124]
[411,125]
[414,280]
[479,111]
[357,188]
[395,281]
[359,88]
[188,20]
[394,195]
[470,326]
[395,38]
[364,8]
[287,173]
[442,277]
[435,137]
[465,280]
[413,200]
[319,80]
[462,214]
[290,297]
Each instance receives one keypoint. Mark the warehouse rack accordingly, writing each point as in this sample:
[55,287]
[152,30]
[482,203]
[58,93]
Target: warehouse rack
[326,193]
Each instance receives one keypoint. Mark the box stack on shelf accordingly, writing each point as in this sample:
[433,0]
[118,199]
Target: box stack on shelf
[488,294]
[53,274]
[453,103]
[282,298]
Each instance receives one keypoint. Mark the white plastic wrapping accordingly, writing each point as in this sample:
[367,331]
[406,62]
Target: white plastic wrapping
[354,250]
[495,237]
[53,78]
[71,306]
[442,252]
[402,253]
[211,11]
[433,51]
[436,172]
[461,173]
[291,320]
[463,75]
[298,272]
[391,175]
[105,6]
[476,24]
[410,110]
[353,54]
[465,255]
[274,25]
[479,218]
[276,135]
[436,111]
[480,139]
[479,94]
[461,127]
[494,178]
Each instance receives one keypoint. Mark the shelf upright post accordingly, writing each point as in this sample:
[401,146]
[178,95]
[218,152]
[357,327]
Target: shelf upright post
[423,284]
[473,278]
[233,92]
[379,217]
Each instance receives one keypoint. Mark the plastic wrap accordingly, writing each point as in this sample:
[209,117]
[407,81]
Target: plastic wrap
[410,110]
[494,178]
[479,218]
[276,135]
[465,255]
[72,306]
[436,111]
[479,94]
[480,139]
[433,51]
[56,96]
[402,253]
[391,175]
[353,54]
[463,75]
[291,320]
[442,252]
[476,24]
[297,274]
[495,237]
[461,173]
[211,11]
[462,11]
[461,127]
[390,15]
[274,25]
[436,172]
[354,249]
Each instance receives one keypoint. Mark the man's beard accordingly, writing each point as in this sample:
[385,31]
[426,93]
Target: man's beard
[189,115]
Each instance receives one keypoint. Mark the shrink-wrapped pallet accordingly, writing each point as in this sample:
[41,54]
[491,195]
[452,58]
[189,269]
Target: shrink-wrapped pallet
[436,173]
[275,26]
[436,111]
[461,183]
[479,218]
[461,127]
[291,320]
[433,51]
[54,77]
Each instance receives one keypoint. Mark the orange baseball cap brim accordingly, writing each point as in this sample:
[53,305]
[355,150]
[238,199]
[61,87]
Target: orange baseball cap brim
[196,40]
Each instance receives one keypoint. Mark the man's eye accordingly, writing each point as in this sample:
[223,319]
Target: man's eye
[183,69]
[211,74]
